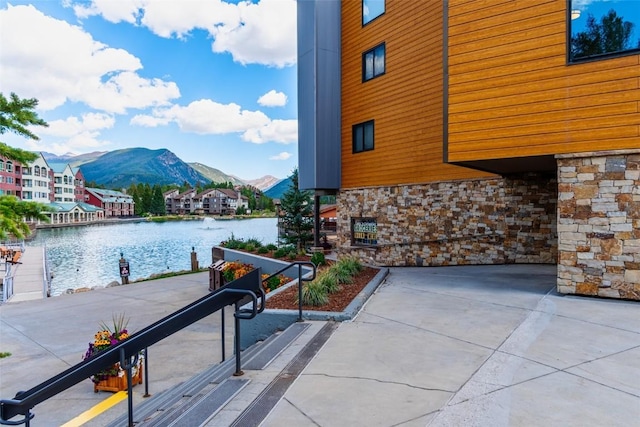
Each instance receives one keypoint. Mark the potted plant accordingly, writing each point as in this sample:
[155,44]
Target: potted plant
[113,378]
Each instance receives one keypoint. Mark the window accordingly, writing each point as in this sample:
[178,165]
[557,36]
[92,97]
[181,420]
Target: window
[373,63]
[603,28]
[36,171]
[371,9]
[363,137]
[9,167]
[1,165]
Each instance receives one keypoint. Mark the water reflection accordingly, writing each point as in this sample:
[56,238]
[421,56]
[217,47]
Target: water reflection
[88,256]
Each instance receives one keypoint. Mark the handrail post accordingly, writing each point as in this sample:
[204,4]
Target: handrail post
[128,366]
[238,371]
[300,293]
[222,333]
[146,372]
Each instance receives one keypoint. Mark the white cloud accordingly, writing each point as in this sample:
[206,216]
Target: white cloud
[90,122]
[262,33]
[73,134]
[283,131]
[211,118]
[112,11]
[273,99]
[56,62]
[282,156]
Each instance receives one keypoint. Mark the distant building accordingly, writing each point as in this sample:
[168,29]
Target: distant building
[79,194]
[74,212]
[212,201]
[64,186]
[56,185]
[10,178]
[37,181]
[114,203]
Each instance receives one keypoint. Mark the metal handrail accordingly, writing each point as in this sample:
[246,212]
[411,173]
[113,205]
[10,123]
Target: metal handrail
[247,285]
[301,279]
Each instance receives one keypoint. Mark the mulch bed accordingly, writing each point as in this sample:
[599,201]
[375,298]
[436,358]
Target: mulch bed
[338,301]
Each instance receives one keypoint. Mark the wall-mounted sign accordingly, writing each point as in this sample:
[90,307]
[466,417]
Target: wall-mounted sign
[364,231]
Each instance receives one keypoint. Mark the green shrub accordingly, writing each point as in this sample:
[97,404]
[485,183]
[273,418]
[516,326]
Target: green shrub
[263,250]
[329,280]
[350,264]
[318,259]
[255,242]
[280,253]
[242,246]
[292,256]
[315,294]
[271,247]
[232,242]
[342,274]
[229,275]
[249,247]
[273,283]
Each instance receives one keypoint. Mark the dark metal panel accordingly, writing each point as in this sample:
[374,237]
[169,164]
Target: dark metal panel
[319,94]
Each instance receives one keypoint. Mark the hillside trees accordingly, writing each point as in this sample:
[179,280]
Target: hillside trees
[15,115]
[148,200]
[297,213]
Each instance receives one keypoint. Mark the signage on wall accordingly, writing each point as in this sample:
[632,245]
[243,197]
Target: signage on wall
[364,231]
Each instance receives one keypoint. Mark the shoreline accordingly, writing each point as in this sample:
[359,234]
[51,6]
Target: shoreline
[115,221]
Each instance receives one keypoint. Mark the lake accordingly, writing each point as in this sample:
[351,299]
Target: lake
[88,256]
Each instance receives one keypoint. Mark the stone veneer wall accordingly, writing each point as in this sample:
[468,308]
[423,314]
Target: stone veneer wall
[483,221]
[599,224]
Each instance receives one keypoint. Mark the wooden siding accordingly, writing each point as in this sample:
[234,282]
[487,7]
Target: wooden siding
[406,102]
[512,94]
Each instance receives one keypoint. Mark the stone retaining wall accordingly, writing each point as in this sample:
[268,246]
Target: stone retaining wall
[483,221]
[599,224]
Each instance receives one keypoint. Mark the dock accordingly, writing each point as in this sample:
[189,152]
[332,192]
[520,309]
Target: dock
[29,281]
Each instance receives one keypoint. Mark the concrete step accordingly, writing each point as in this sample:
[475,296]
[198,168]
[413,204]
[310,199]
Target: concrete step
[209,391]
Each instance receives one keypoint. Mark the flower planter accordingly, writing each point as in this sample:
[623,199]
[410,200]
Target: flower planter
[119,382]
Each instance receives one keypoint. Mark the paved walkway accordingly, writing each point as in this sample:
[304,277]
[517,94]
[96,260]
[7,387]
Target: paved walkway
[474,346]
[28,282]
[448,346]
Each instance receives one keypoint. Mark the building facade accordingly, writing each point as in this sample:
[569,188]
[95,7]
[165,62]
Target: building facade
[115,204]
[214,201]
[490,133]
[57,186]
[64,184]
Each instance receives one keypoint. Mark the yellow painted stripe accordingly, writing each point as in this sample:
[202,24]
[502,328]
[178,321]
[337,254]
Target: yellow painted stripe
[96,410]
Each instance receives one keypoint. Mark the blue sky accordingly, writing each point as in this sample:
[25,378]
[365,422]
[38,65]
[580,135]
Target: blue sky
[213,81]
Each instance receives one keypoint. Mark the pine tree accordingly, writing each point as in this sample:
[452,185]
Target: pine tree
[297,213]
[157,201]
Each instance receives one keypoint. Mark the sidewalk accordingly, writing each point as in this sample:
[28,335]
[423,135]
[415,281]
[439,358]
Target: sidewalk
[447,346]
[474,346]
[29,276]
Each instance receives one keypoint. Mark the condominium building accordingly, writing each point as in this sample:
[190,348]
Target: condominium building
[57,186]
[483,132]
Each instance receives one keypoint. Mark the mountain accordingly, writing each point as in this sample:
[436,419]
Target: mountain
[121,168]
[215,175]
[277,190]
[72,159]
[263,183]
